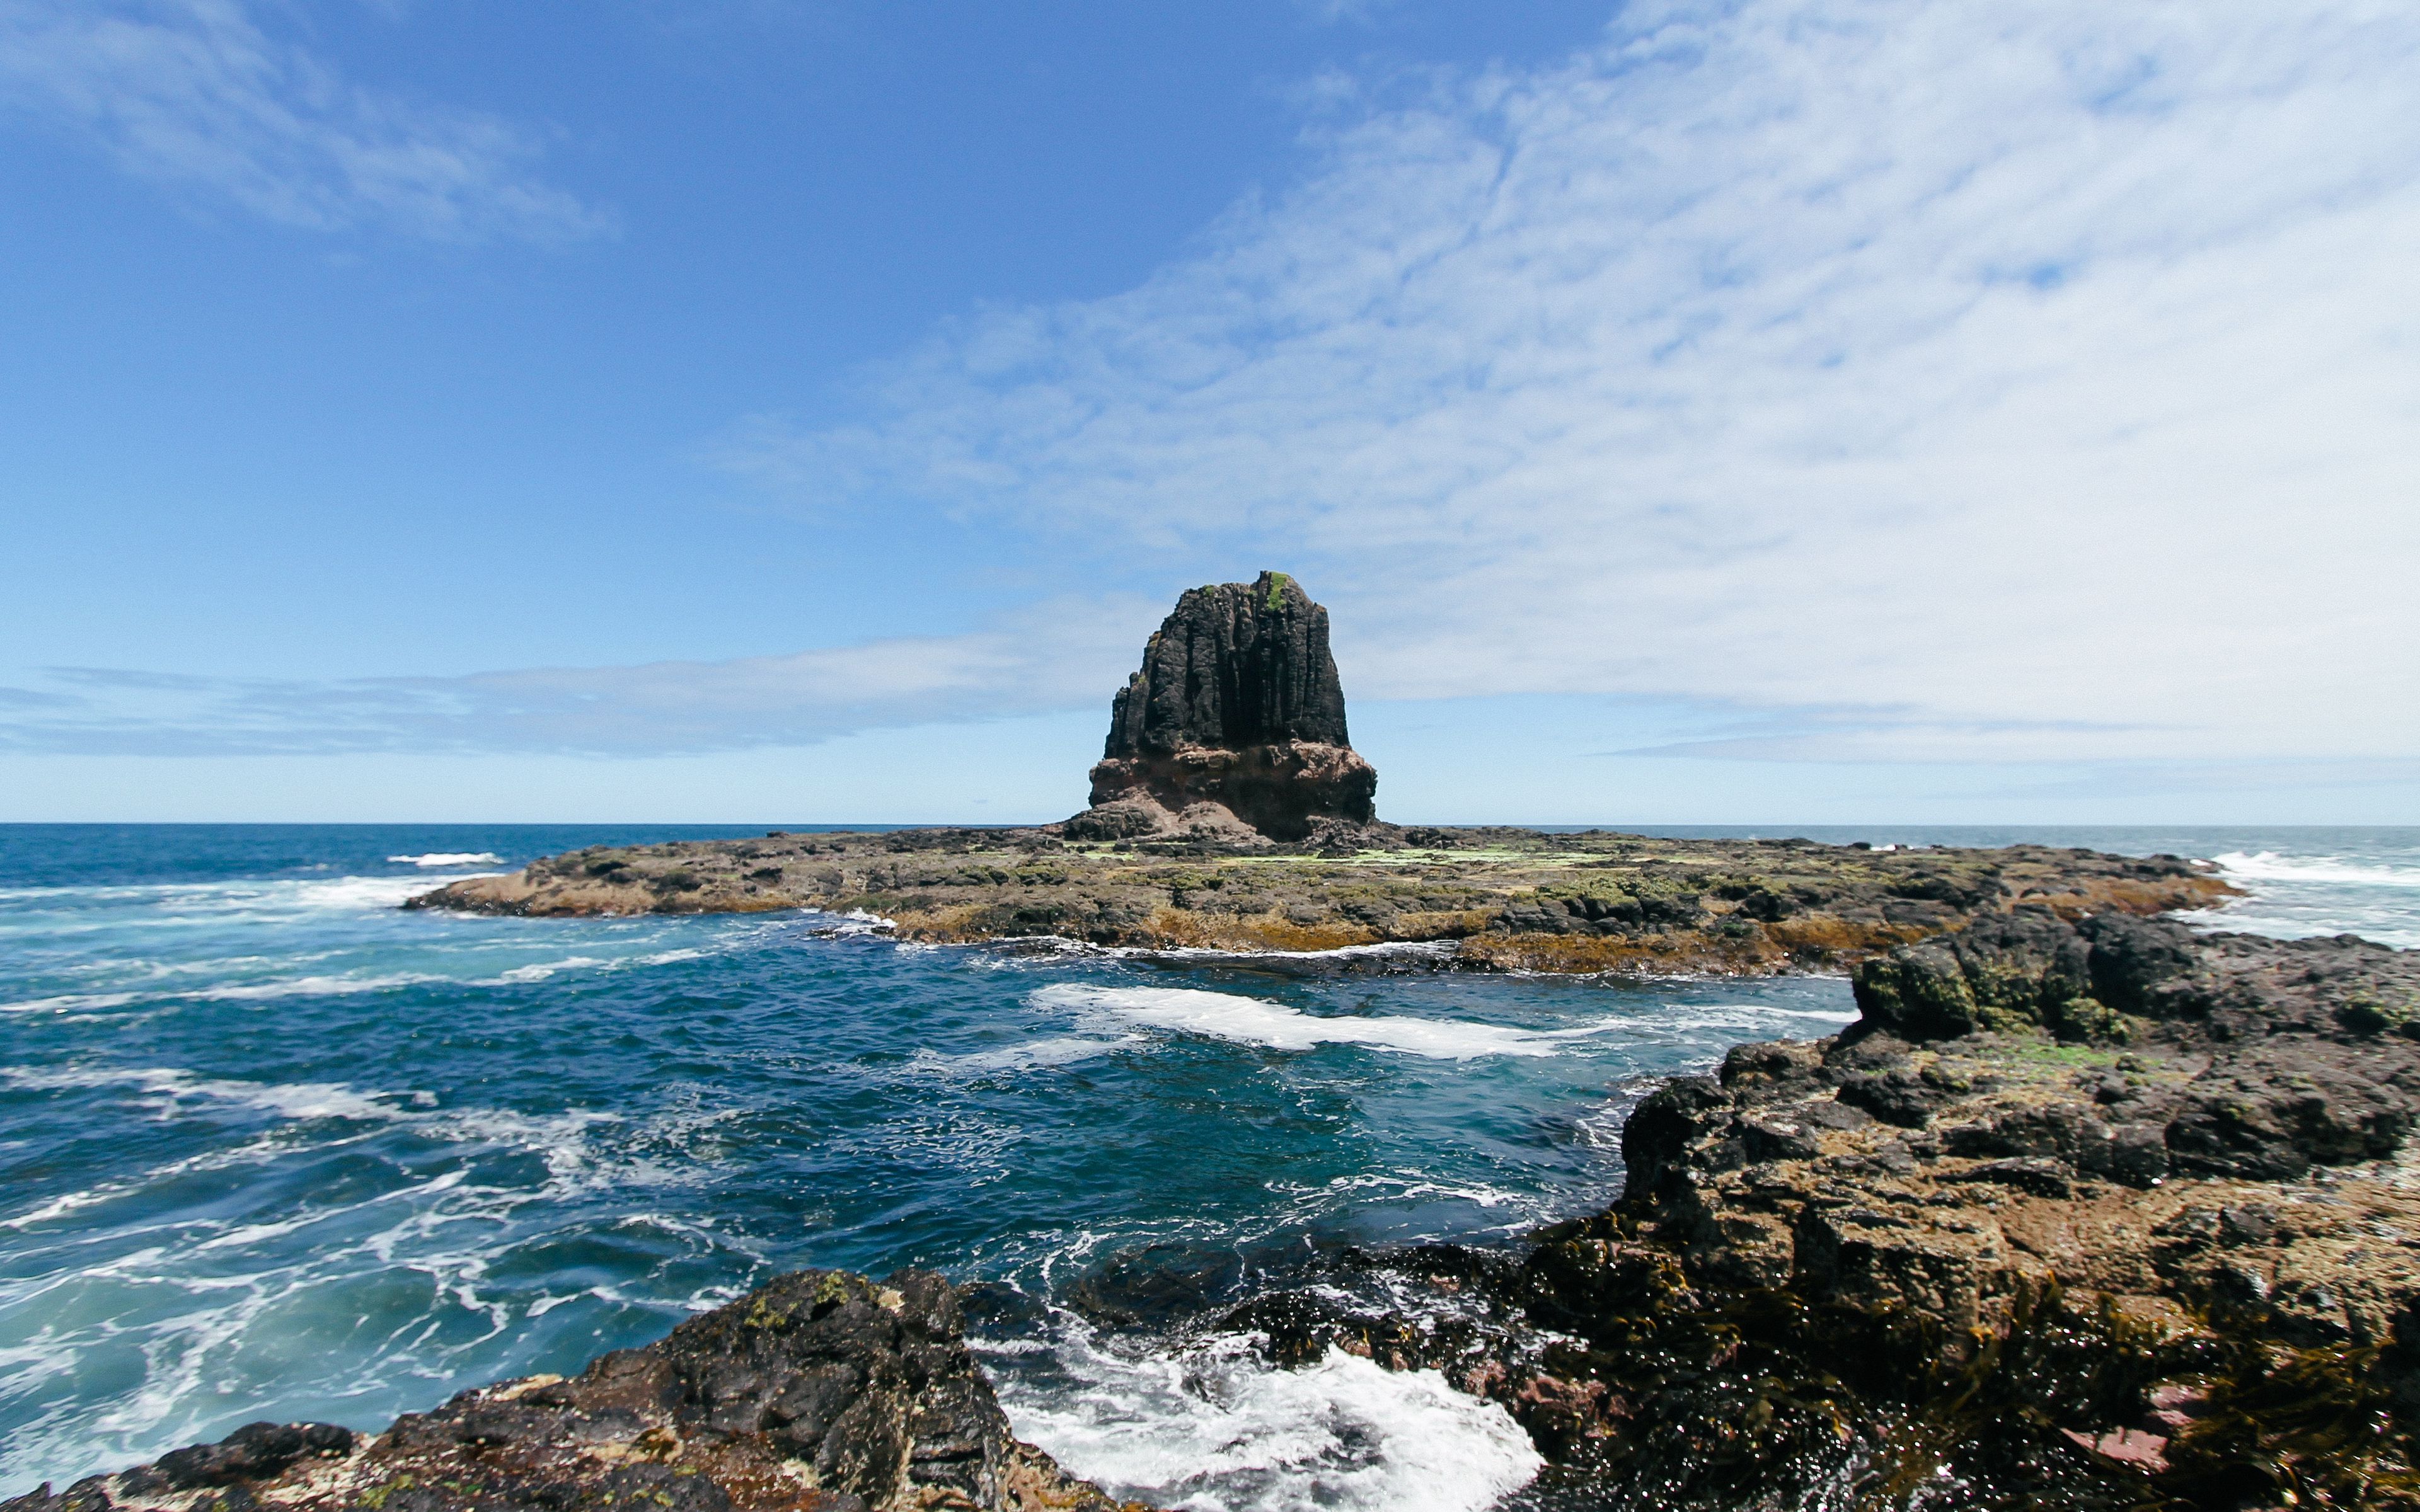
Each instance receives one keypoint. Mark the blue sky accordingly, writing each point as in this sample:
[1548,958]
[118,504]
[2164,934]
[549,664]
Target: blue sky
[1766,411]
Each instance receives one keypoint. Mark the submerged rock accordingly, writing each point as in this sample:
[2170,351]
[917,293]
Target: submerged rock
[818,1392]
[1235,725]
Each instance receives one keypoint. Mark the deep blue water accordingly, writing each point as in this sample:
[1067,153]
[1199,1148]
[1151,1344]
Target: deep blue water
[271,1147]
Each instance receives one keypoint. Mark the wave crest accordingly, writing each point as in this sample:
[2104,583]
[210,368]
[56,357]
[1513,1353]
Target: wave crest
[2268,866]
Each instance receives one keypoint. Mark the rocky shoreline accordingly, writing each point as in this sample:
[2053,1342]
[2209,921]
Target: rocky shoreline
[2086,1211]
[2089,1214]
[1489,898]
[1230,812]
[818,1392]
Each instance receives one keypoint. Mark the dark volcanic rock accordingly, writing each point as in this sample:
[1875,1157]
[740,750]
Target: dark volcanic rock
[1131,873]
[819,1392]
[1237,707]
[1233,665]
[2087,1213]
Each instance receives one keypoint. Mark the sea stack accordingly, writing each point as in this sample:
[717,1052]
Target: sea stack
[1234,729]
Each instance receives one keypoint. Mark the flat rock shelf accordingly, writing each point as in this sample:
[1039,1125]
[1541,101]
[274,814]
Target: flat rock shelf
[1483,898]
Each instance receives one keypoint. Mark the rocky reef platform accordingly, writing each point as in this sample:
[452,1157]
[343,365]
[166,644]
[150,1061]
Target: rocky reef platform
[1230,812]
[819,1392]
[2086,1212]
[1487,898]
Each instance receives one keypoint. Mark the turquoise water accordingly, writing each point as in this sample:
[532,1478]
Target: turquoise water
[272,1148]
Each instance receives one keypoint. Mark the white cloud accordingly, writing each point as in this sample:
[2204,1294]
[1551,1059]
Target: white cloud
[1331,12]
[199,96]
[1058,656]
[2040,374]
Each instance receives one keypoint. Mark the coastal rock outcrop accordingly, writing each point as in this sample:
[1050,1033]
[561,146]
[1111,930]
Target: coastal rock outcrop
[819,1392]
[2083,1212]
[1478,899]
[1233,727]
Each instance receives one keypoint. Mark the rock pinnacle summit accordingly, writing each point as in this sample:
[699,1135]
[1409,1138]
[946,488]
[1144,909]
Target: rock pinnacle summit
[1234,728]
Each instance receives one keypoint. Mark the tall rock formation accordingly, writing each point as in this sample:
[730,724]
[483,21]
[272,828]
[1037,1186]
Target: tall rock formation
[1235,723]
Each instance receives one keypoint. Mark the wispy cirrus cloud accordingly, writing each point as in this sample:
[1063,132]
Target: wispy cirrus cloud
[2042,375]
[1059,655]
[203,97]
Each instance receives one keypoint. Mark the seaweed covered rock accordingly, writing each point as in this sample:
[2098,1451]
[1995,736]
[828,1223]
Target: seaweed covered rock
[1981,1250]
[1236,720]
[1488,897]
[819,1392]
[2083,1212]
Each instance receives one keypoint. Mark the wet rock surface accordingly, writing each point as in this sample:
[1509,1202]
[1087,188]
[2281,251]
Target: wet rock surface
[2087,1211]
[2084,1212]
[1480,897]
[819,1392]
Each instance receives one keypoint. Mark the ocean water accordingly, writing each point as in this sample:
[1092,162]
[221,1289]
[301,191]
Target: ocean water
[271,1147]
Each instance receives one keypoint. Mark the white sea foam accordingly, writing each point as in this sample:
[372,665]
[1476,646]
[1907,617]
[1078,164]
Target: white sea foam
[1258,1021]
[69,1002]
[1255,1021]
[541,970]
[559,1140]
[1690,1018]
[247,895]
[183,1307]
[170,1086]
[59,1207]
[184,904]
[369,892]
[341,984]
[1414,949]
[313,987]
[2295,897]
[1296,1207]
[1218,1429]
[1030,1055]
[1401,1188]
[275,898]
[1016,951]
[855,921]
[144,981]
[2268,866]
[183,1295]
[450,858]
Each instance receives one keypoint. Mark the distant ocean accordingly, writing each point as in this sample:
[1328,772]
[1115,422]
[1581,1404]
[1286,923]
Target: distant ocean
[271,1147]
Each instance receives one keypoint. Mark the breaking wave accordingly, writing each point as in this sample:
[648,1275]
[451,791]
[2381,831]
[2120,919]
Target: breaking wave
[1256,1021]
[1216,1427]
[2268,866]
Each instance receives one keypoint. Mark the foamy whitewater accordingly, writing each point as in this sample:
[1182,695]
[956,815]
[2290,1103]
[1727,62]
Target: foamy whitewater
[271,1147]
